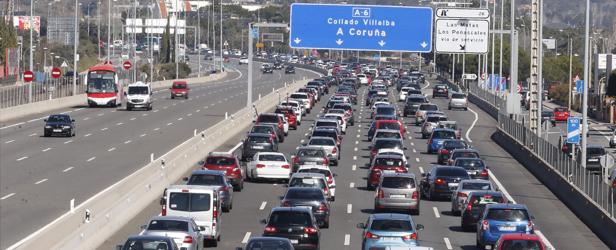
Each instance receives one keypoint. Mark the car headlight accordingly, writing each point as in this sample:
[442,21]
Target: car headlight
[66,126]
[47,126]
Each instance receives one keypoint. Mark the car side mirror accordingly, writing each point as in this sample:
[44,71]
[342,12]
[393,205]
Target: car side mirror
[119,247]
[254,121]
[201,163]
[335,175]
[125,93]
[143,227]
[263,221]
[281,197]
[73,120]
[201,228]
[185,178]
[361,225]
[45,120]
[419,227]
[423,175]
[161,201]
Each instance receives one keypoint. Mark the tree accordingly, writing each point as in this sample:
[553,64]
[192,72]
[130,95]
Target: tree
[164,47]
[9,39]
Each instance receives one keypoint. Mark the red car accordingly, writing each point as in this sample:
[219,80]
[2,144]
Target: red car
[291,117]
[519,241]
[381,164]
[561,114]
[228,163]
[179,89]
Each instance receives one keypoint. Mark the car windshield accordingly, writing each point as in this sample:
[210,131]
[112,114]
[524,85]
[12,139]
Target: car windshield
[485,199]
[143,244]
[268,118]
[326,124]
[137,90]
[206,180]
[307,182]
[271,157]
[315,170]
[476,186]
[506,214]
[305,194]
[428,107]
[258,139]
[263,244]
[388,162]
[458,96]
[101,82]
[521,244]
[289,218]
[449,171]
[443,134]
[391,225]
[595,151]
[465,154]
[470,164]
[310,153]
[58,118]
[225,161]
[454,144]
[336,111]
[168,225]
[189,202]
[398,182]
[560,110]
[322,142]
[179,86]
[388,144]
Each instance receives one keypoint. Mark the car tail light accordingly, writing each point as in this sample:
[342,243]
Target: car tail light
[381,194]
[485,225]
[285,203]
[439,181]
[401,170]
[236,172]
[285,166]
[310,230]
[295,160]
[164,212]
[260,165]
[269,229]
[224,189]
[188,239]
[412,236]
[322,208]
[335,150]
[370,235]
[330,180]
[530,226]
[326,161]
[614,183]
[415,195]
[443,151]
[462,194]
[326,189]
[484,173]
[417,113]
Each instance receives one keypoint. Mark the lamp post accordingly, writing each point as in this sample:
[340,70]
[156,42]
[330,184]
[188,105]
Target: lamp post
[75,48]
[586,83]
[44,59]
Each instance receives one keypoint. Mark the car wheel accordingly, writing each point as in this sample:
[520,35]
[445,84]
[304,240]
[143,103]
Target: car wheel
[415,211]
[449,107]
[214,242]
[465,108]
[479,245]
[129,108]
[172,97]
[46,134]
[237,188]
[73,133]
[226,209]
[325,225]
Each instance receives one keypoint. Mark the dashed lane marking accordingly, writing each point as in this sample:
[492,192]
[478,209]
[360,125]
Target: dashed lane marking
[352,185]
[111,149]
[246,237]
[91,158]
[447,243]
[436,213]
[67,169]
[7,142]
[41,181]
[347,239]
[349,208]
[417,159]
[45,150]
[7,196]
[22,158]
[86,135]
[263,204]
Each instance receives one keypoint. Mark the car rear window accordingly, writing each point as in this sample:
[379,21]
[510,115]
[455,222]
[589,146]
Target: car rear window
[443,134]
[454,144]
[289,218]
[436,118]
[476,186]
[268,118]
[595,151]
[322,142]
[189,202]
[398,182]
[143,244]
[271,157]
[224,161]
[521,244]
[299,96]
[506,214]
[258,139]
[389,125]
[206,180]
[307,182]
[391,225]
[345,107]
[168,225]
[305,194]
[560,110]
[428,107]
[326,124]
[261,244]
[310,153]
[388,144]
[388,134]
[315,170]
[388,162]
[458,96]
[261,129]
[451,172]
[385,110]
[486,199]
[470,164]
[465,155]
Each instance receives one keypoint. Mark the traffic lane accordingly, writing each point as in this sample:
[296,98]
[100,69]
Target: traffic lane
[560,226]
[113,167]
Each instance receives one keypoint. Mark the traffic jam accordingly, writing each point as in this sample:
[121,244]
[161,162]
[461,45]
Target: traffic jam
[359,131]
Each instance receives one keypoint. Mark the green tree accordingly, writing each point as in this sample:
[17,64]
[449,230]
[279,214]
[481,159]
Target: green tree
[164,46]
[9,39]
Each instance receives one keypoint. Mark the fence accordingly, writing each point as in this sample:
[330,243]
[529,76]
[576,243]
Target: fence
[44,90]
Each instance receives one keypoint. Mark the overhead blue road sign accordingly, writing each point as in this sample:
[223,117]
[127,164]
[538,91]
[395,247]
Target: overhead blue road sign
[579,86]
[573,130]
[361,27]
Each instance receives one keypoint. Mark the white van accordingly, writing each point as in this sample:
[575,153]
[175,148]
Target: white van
[138,95]
[198,202]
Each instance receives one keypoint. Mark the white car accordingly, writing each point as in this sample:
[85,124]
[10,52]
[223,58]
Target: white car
[286,124]
[393,151]
[243,60]
[404,93]
[338,117]
[304,98]
[269,165]
[298,108]
[324,170]
[363,79]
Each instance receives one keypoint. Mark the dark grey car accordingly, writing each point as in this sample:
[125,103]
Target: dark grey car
[214,178]
[257,142]
[310,197]
[309,155]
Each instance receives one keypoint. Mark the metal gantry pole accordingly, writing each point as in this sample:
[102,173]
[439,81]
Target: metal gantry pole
[250,56]
[540,69]
[500,57]
[31,50]
[570,72]
[586,83]
[199,40]
[493,35]
[108,29]
[175,45]
[75,69]
[221,60]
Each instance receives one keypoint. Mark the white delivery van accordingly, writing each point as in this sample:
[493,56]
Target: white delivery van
[198,202]
[138,95]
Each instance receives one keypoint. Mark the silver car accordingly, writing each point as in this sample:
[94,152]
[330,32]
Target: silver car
[183,230]
[430,123]
[330,146]
[397,191]
[464,189]
[458,100]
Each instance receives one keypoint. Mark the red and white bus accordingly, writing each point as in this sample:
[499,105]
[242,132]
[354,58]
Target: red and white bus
[103,86]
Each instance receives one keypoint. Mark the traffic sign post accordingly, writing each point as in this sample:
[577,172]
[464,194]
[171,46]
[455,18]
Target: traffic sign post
[579,86]
[127,65]
[28,76]
[361,27]
[56,73]
[573,130]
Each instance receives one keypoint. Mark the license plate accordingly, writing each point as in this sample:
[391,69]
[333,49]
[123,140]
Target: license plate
[257,147]
[294,241]
[507,228]
[389,171]
[390,238]
[396,196]
[452,186]
[57,130]
[472,172]
[310,163]
[593,159]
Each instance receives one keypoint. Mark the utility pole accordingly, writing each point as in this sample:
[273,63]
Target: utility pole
[540,72]
[586,83]
[98,29]
[108,29]
[75,68]
[175,45]
[199,40]
[221,60]
[493,35]
[133,44]
[31,68]
[570,72]
[500,57]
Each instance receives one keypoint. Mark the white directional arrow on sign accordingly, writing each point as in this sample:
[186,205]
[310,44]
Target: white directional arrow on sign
[339,42]
[382,43]
[424,44]
[297,40]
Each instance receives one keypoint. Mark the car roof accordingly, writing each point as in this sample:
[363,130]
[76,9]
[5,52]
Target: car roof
[507,205]
[307,175]
[484,192]
[476,181]
[320,167]
[465,150]
[395,174]
[520,236]
[391,216]
[303,188]
[259,135]
[176,218]
[192,187]
[220,154]
[389,156]
[387,130]
[148,237]
[295,209]
[267,238]
[207,172]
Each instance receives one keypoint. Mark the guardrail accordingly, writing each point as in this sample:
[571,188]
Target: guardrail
[89,224]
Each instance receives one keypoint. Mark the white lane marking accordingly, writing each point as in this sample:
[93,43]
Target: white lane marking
[78,109]
[198,110]
[111,149]
[127,142]
[447,243]
[101,114]
[357,136]
[7,196]
[7,142]
[436,213]
[417,159]
[67,142]
[169,124]
[360,125]
[156,129]
[41,181]
[9,126]
[354,167]
[263,204]
[347,239]
[165,107]
[352,185]
[32,134]
[421,170]
[156,110]
[86,135]
[355,149]
[355,157]
[179,119]
[103,129]
[412,144]
[142,135]
[134,118]
[302,141]
[45,150]
[22,158]
[246,237]
[349,208]
[33,120]
[414,151]
[87,118]
[91,158]
[356,142]
[67,169]
[190,114]
[119,123]
[545,240]
[472,125]
[144,115]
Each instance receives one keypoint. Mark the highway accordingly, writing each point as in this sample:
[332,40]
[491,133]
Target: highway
[41,175]
[354,202]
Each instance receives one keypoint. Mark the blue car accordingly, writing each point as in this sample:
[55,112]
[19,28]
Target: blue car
[59,124]
[438,136]
[503,218]
[389,229]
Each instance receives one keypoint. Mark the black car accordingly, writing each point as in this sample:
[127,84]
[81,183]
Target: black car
[593,157]
[466,153]
[442,181]
[144,241]
[412,103]
[440,90]
[290,69]
[266,129]
[257,142]
[278,65]
[475,167]
[297,224]
[59,124]
[308,197]
[261,243]
[327,132]
[448,146]
[267,69]
[474,206]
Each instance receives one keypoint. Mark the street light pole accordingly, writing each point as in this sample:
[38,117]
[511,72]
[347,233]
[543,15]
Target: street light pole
[586,83]
[199,39]
[221,60]
[570,71]
[108,29]
[31,50]
[76,41]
